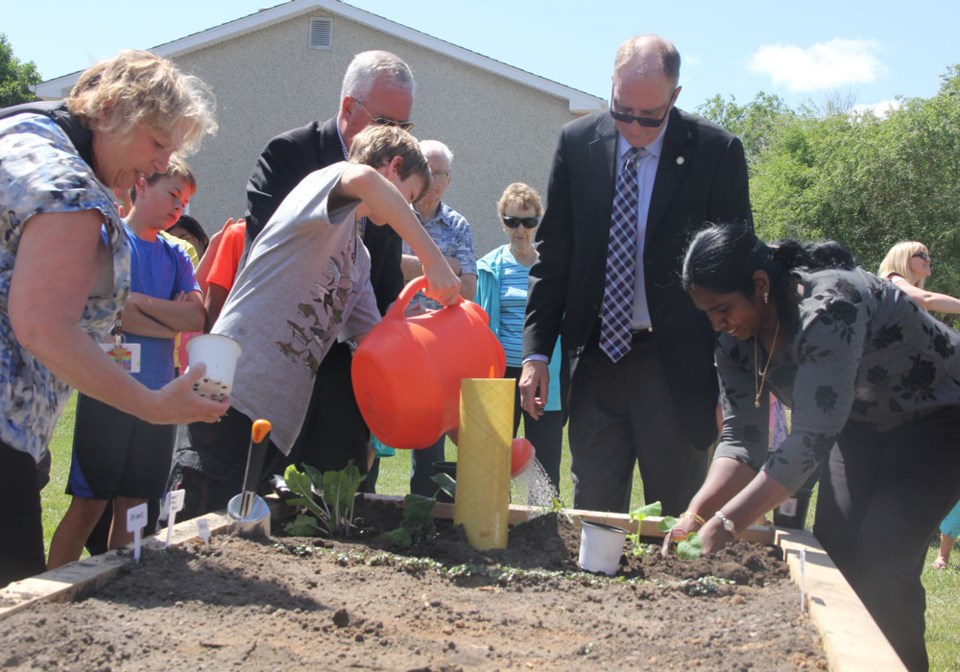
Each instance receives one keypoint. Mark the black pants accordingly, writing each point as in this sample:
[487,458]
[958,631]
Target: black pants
[882,495]
[622,415]
[210,461]
[421,467]
[333,431]
[545,433]
[21,525]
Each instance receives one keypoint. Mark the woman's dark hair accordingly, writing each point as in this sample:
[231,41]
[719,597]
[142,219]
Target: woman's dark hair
[723,258]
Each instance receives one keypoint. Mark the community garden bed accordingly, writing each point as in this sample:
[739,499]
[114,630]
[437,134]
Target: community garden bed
[291,602]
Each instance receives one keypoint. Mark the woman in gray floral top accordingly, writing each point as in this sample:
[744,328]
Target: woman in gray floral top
[65,266]
[874,385]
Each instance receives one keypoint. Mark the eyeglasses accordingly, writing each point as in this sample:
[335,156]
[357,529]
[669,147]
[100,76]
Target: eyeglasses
[440,174]
[646,122]
[383,121]
[923,255]
[514,222]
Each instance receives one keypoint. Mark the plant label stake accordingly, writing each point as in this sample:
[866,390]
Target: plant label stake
[803,580]
[136,521]
[174,504]
[203,530]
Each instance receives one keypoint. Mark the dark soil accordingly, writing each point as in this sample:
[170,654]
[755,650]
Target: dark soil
[293,603]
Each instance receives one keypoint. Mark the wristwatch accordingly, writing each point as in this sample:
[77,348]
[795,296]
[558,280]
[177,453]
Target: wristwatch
[727,523]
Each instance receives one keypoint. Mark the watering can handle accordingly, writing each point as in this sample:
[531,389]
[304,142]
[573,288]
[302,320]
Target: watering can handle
[399,306]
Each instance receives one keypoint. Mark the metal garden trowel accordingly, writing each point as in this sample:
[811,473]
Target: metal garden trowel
[248,508]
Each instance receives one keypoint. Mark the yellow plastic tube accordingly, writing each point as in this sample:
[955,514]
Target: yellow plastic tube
[482,504]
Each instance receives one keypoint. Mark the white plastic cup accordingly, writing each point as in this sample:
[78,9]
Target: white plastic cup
[600,547]
[220,354]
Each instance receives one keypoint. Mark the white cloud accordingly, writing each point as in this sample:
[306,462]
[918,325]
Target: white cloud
[881,109]
[826,65]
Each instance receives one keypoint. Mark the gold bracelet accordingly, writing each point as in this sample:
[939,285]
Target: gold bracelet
[698,519]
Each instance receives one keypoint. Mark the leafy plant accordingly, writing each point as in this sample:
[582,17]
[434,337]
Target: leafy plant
[333,514]
[418,522]
[689,547]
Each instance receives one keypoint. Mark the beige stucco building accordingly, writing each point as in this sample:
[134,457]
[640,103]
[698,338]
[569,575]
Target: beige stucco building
[282,67]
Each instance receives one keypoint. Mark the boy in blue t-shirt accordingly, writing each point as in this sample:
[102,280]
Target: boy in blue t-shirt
[116,456]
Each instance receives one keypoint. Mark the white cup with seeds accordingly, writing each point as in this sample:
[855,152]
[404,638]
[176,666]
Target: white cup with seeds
[220,354]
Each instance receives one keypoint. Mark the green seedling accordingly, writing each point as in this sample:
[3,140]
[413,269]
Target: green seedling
[333,514]
[639,515]
[689,548]
[418,522]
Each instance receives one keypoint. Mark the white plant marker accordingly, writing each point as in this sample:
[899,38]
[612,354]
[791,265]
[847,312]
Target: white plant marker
[173,504]
[803,580]
[136,521]
[203,529]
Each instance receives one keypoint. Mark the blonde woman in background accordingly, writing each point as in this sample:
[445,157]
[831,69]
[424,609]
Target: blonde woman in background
[907,265]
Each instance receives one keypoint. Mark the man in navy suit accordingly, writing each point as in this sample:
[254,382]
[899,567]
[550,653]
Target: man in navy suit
[651,403]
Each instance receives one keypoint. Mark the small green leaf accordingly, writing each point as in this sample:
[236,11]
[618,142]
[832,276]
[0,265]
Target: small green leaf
[316,476]
[446,483]
[298,481]
[303,526]
[399,537]
[651,509]
[691,547]
[667,524]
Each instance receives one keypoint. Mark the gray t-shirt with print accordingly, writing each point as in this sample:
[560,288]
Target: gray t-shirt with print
[306,283]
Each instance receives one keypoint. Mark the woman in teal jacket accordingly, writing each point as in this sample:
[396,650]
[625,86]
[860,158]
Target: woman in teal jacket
[502,292]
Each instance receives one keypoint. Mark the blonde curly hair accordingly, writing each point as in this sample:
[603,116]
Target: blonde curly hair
[139,87]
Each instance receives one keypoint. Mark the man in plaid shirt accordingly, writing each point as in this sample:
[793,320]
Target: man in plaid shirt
[451,232]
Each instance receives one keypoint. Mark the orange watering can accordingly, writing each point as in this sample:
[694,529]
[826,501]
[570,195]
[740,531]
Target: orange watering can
[407,371]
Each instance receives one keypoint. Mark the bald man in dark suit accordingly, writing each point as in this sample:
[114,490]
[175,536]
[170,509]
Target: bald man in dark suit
[627,190]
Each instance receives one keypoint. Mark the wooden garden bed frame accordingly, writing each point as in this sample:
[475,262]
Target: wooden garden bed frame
[851,640]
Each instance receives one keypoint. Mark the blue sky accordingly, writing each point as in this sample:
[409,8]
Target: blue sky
[865,52]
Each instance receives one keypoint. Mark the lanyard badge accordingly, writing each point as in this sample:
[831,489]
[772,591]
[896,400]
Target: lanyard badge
[126,355]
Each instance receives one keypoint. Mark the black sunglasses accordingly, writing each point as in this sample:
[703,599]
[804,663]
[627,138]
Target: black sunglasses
[514,222]
[383,121]
[923,255]
[646,122]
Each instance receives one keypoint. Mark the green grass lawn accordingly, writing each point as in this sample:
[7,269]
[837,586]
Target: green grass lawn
[943,586]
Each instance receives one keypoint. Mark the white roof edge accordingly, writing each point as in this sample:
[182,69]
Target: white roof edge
[579,101]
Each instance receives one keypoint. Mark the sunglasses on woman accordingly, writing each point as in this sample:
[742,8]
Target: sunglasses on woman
[514,222]
[922,255]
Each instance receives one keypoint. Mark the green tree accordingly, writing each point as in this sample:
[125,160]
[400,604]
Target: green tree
[16,78]
[866,181]
[757,123]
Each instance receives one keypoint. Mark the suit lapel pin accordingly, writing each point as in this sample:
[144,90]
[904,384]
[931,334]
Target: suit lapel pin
[680,160]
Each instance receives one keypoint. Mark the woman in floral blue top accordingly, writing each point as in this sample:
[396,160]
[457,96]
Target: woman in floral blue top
[874,385]
[65,266]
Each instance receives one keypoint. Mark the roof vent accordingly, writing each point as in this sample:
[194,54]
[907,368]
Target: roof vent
[321,33]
